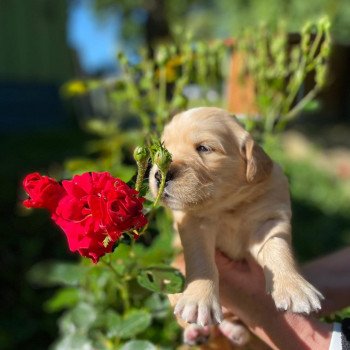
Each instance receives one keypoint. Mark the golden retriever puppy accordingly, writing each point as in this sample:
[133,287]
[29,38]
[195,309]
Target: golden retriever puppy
[226,193]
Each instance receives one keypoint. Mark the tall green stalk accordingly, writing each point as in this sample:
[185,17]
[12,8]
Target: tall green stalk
[141,156]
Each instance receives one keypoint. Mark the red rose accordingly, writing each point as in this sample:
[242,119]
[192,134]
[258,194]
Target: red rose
[92,209]
[95,211]
[43,192]
[123,207]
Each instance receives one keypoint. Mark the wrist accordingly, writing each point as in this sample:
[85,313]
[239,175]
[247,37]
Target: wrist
[301,331]
[316,334]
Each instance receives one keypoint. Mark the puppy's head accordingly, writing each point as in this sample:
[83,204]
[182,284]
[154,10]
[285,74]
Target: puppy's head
[213,157]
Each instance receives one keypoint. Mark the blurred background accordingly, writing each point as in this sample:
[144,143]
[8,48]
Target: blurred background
[54,58]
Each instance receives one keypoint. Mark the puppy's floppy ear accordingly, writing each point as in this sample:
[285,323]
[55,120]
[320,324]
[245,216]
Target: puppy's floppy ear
[258,163]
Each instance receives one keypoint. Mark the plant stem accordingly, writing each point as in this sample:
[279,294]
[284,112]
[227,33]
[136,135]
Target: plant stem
[302,103]
[141,170]
[122,287]
[124,293]
[132,244]
[155,203]
[315,44]
[161,189]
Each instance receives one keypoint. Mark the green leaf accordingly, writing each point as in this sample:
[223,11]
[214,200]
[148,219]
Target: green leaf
[84,315]
[158,305]
[56,273]
[64,298]
[73,342]
[161,279]
[112,323]
[138,345]
[134,322]
[120,254]
[80,319]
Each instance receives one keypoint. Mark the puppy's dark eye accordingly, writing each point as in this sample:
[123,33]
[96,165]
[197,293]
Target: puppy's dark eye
[203,149]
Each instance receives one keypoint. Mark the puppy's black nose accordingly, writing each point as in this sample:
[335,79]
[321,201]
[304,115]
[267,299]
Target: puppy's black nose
[169,177]
[158,177]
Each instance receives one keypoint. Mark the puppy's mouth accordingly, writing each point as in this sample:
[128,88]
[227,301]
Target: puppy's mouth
[175,202]
[171,201]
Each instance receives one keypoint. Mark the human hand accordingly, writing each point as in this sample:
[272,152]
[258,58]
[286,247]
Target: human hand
[242,291]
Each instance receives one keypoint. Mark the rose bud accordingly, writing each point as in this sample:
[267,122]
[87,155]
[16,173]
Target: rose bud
[141,154]
[162,158]
[43,192]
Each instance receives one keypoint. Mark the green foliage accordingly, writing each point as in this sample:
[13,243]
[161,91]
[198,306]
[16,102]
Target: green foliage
[279,69]
[151,91]
[201,16]
[56,273]
[131,324]
[324,191]
[161,279]
[106,304]
[338,317]
[320,205]
[314,186]
[64,298]
[138,345]
[109,303]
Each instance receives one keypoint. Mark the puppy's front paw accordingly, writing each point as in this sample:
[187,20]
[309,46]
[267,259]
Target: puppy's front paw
[294,293]
[195,335]
[199,306]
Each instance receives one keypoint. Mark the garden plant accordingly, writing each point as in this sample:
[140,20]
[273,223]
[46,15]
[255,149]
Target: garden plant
[119,301]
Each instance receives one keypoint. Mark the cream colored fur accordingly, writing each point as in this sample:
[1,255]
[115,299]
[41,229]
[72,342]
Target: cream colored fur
[231,196]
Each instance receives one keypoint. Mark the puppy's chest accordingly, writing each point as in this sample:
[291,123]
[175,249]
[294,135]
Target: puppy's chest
[232,235]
